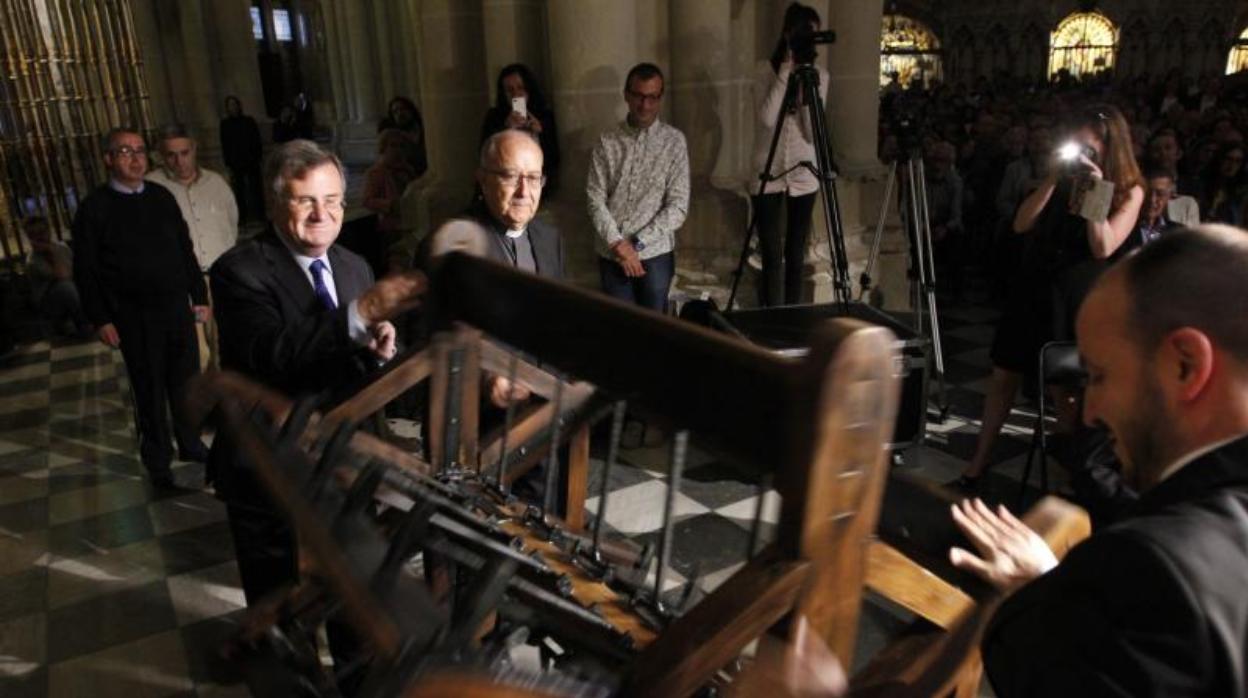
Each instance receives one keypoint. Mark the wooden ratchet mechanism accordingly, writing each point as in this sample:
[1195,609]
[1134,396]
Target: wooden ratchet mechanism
[442,571]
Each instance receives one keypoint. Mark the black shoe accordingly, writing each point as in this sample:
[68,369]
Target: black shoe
[966,484]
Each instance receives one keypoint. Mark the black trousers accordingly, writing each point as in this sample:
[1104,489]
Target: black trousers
[159,347]
[784,254]
[265,547]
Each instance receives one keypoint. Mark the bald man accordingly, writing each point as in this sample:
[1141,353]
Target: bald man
[1155,603]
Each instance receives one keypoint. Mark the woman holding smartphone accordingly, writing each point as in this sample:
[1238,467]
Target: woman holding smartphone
[1065,253]
[519,103]
[794,187]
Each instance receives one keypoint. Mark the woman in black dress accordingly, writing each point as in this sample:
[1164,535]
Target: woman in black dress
[1065,253]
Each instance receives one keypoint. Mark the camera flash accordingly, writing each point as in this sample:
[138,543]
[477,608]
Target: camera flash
[1069,151]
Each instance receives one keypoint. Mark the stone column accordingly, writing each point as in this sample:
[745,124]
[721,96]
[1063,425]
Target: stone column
[453,101]
[357,135]
[706,88]
[238,68]
[853,118]
[197,95]
[592,45]
[514,32]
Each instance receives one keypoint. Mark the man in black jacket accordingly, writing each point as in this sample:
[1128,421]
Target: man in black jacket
[299,314]
[141,288]
[1153,604]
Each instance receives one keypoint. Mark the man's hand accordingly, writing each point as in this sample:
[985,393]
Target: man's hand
[628,258]
[202,313]
[391,296]
[108,335]
[1010,554]
[383,344]
[503,392]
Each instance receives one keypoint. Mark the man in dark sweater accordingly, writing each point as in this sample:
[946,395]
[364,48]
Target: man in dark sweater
[142,290]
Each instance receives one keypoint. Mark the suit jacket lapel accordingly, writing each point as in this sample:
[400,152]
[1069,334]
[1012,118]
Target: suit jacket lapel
[290,278]
[347,283]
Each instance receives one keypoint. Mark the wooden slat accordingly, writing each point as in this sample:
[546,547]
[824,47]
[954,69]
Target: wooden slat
[715,631]
[576,474]
[906,583]
[387,387]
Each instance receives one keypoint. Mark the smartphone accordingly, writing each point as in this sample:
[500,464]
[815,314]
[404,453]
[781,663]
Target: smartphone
[520,105]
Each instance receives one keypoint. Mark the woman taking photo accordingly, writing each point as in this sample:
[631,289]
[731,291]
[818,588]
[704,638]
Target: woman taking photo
[794,187]
[1065,253]
[517,87]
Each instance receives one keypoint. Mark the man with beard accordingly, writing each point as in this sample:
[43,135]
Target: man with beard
[1153,604]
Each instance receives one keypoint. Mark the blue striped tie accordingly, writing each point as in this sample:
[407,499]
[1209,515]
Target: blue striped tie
[319,287]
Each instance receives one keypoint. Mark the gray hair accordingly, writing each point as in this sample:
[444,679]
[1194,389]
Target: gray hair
[1191,278]
[174,130]
[489,149]
[293,160]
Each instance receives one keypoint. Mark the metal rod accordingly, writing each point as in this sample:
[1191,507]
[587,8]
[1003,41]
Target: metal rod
[613,452]
[552,459]
[508,417]
[756,526]
[680,445]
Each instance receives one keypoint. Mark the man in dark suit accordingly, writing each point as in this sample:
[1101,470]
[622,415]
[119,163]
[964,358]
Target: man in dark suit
[1153,604]
[299,314]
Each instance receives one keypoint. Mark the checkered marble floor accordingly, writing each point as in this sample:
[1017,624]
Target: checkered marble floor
[108,588]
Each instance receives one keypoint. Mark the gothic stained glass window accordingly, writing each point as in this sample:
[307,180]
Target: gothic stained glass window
[909,50]
[1085,43]
[1238,58]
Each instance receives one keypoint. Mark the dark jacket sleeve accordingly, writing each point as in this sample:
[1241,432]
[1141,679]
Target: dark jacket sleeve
[257,338]
[95,301]
[1114,619]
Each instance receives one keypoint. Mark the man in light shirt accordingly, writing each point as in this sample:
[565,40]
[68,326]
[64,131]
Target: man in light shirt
[208,207]
[1152,604]
[638,195]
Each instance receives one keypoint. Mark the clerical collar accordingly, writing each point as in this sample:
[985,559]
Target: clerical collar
[119,187]
[513,234]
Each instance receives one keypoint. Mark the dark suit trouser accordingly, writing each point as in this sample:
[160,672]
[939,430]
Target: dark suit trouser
[161,354]
[265,547]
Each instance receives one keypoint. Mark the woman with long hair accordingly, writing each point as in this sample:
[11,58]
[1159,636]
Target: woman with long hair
[1222,186]
[789,186]
[514,82]
[403,115]
[1065,254]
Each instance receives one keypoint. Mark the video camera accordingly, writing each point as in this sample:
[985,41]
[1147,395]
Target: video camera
[803,41]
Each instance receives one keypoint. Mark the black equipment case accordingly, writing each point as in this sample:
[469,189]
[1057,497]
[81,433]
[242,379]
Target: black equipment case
[785,329]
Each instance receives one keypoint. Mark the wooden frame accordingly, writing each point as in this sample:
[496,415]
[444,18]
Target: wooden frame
[818,425]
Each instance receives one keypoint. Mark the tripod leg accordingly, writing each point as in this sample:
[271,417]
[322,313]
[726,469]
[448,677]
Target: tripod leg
[928,281]
[865,280]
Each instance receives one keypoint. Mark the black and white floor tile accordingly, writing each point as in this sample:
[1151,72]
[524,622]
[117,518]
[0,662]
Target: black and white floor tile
[109,588]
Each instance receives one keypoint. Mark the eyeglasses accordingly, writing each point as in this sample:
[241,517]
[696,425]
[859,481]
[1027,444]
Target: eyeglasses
[126,151]
[643,97]
[306,204]
[512,179]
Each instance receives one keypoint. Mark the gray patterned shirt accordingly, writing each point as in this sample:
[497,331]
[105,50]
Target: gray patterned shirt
[638,186]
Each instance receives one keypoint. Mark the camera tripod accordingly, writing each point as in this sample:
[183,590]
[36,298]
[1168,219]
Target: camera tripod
[922,272]
[805,78]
